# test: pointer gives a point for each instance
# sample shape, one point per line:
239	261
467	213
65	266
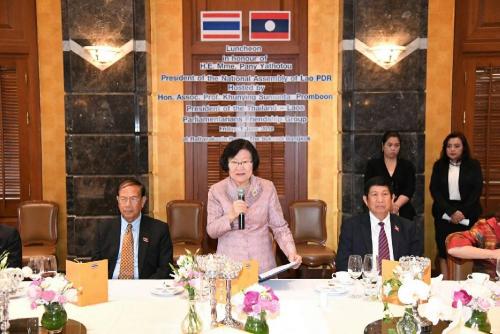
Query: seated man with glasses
135	245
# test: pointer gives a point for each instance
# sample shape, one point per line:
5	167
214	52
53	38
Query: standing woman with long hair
456	185
400	172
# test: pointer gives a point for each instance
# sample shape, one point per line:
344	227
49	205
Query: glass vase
54	318
479	321
257	325
192	322
408	324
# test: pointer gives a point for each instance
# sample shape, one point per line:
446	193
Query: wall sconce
102	56
388	55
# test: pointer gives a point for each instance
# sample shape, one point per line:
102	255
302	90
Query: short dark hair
131	181
378	181
466	150
233	148
390	134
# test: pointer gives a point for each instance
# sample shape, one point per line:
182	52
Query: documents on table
275	271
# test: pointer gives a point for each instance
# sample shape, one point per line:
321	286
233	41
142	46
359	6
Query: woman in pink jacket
260	206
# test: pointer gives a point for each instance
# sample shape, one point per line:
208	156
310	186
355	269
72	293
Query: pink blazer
264	214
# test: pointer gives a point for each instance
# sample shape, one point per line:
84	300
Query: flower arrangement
260	299
51	290
465	305
187	274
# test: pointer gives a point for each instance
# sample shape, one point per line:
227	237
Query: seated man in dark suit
10	242
377	232
135	245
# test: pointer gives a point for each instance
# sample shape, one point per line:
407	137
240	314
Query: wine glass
498	269
354	266
49	266
35	263
370	270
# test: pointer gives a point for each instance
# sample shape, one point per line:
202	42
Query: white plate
331	290
167	291
336	281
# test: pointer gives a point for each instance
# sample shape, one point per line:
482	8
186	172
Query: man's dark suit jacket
356	238
155	247
10	241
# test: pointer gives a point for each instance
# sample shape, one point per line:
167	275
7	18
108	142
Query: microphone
241	218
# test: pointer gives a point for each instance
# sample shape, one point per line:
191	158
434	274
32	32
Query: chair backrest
308	221
458	269
37	221
185	219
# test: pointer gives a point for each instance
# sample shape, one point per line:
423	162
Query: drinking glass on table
355	268
370	274
35	263
49	267
498	269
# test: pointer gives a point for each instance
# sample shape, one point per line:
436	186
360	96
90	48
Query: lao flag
269	26
220	26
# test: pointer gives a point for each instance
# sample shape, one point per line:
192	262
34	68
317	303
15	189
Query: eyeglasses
244	163
133	199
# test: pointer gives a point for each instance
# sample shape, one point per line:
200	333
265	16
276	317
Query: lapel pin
145	239
396	228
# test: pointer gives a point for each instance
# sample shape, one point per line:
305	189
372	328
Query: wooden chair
458	269
37	221
308	226
186	223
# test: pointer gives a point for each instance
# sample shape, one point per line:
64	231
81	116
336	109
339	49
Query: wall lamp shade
388	55
102	56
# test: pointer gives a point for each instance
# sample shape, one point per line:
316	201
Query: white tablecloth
133	309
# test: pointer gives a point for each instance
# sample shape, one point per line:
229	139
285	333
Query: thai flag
221	26
269	26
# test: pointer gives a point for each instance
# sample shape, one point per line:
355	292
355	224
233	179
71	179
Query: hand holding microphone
241	216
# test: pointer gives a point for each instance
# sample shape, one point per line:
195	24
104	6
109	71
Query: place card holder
387	273
90	279
249	275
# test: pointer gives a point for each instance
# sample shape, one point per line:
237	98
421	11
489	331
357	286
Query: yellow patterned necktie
127	257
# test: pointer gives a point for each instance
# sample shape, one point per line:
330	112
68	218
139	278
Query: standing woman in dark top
456	185
399	171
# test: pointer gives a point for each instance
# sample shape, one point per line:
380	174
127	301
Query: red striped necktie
383	246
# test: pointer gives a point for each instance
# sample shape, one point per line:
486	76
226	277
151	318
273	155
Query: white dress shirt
136	225
453	174
376	230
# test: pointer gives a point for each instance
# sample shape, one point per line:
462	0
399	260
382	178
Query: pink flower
48	295
483	304
34	292
461	295
251	298
33	305
61	299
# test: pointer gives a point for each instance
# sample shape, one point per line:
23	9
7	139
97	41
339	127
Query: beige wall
323	162
438	99
166	146
52	112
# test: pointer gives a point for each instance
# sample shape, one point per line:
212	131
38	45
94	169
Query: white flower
387	288
71	295
413	290
27	271
436	309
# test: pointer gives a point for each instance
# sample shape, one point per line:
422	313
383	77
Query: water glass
354	266
498	269
36	265
370	268
49	266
